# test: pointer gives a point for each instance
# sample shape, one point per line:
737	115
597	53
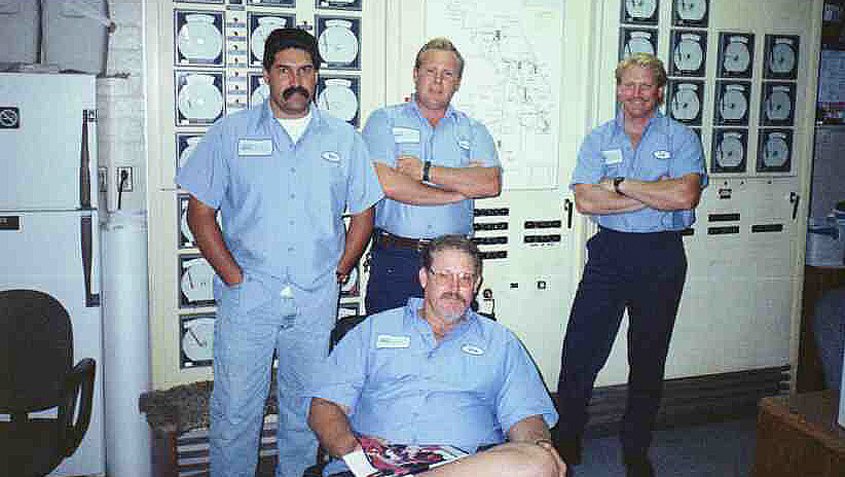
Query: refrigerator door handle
85	161
87	231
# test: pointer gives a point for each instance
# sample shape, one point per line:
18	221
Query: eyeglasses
442	277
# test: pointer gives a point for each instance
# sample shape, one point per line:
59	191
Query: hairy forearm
531	429
202	220
665	194
328	420
402	188
360	229
473	182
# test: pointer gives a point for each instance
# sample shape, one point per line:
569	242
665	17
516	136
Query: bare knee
527	460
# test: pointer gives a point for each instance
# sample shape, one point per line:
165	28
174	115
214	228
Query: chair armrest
79	385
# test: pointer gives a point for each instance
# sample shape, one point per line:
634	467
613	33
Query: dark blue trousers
394	276
643	273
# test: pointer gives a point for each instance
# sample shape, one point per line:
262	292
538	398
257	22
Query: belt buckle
422	244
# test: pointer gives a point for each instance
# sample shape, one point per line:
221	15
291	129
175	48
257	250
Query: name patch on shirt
472	349
661	154
613	156
255	147
391	341
406	135
331	156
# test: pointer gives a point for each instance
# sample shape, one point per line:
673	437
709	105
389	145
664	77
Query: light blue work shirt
402	385
282	203
667	149
456	141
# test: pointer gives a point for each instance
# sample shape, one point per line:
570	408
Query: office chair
36	374
340	329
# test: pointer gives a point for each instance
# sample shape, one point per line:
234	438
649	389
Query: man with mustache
281	175
432	161
435	372
639	177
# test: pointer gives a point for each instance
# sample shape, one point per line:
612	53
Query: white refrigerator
49	227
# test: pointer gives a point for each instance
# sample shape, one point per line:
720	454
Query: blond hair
643	60
442	44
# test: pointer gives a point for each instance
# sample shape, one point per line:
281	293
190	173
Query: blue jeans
394	277
644	273
252	322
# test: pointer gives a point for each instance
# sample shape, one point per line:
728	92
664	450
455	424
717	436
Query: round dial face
688	55
730	151
733	104
338	99
266	25
200	99
778	105
685	103
196	283
337	44
638	44
736	58
259	95
782	58
186	231
775	151
691	10
640	8
198	339
199	39
189	149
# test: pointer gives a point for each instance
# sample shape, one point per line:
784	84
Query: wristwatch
616	182
426	171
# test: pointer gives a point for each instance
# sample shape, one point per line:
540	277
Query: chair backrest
36	350
342	326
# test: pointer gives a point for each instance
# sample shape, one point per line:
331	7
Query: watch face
639	11
637	41
690	12
736	55
774	151
728	151
685	100
688	53
197	341
338	42
778	104
781	57
732	103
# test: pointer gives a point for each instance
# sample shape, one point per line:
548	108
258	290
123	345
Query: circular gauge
778	104
198	339
338	99
737	58
733	105
337	43
688	55
196	283
775	150
200	99
691	10
351	282
258	36
782	58
730	151
199	39
259	95
640	9
639	42
185	229
685	103
189	149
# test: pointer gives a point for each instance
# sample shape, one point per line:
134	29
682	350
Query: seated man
435	372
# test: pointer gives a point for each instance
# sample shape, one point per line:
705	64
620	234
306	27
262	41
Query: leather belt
386	239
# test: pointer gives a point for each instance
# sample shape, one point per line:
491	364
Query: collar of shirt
266	117
417	322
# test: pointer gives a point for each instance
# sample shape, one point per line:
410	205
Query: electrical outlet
125	179
103	178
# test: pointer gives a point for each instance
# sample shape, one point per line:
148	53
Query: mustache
453	295
286	94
